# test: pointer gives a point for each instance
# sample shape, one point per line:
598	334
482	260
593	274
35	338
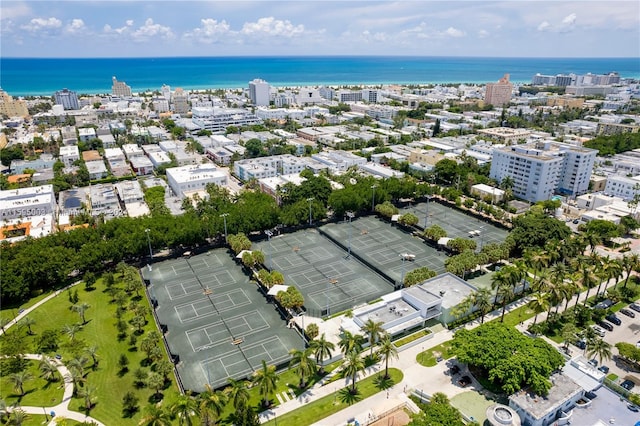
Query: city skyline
285	28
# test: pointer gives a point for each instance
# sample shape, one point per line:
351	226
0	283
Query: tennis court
328	280
218	322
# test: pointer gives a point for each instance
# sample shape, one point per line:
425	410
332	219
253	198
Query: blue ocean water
35	76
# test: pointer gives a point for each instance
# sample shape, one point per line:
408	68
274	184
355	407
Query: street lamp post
301	315
310	200
426	213
150	251
402	274
269	234
373	197
350	215
331	281
224	217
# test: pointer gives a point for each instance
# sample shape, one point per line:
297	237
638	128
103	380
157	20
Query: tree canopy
507	358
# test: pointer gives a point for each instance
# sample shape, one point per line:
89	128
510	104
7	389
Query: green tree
129	404
266	379
303	364
81	309
88	394
375	331
352	365
155	415
184	408
539	303
155	381
19	379
211	403
350	342
322	349
238	394
599	349
28	322
48	369
387	351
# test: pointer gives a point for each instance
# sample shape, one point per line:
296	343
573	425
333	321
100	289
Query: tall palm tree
88	393
81	309
48	369
350	342
71	330
351	366
211	403
462	308
155	415
599	349
498	280
78	364
539	303
482	301
238	394
322	349
184	408
536	259
28	322
630	263
303	364
387	351
266	379
19	379
588	279
18	416
92	351
374	330
505	293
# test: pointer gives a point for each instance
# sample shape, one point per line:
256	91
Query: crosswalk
286	396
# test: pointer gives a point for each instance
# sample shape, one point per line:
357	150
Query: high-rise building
540	170
166	92
67	98
259	92
180	101
499	94
12	107
120	89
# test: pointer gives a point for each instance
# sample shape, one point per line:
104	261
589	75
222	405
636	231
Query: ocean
36	76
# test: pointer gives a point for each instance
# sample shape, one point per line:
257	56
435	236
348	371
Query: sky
125	28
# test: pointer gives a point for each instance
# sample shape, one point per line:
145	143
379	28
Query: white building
540	170
132	150
104	201
217	119
624	187
69	154
189	179
67	98
97	169
45	161
259	92
158	158
339	160
141	165
25	202
87	133
120	88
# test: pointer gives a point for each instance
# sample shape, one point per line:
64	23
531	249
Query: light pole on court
301	315
373	197
404	257
150	251
224	217
269	234
331	281
310	200
426	213
350	215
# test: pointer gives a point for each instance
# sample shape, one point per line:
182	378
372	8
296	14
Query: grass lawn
39	420
518	315
472	404
9	312
410	338
331	404
110	383
428	357
33	394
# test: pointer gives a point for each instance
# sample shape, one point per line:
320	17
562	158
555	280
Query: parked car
466	381
599	331
605	304
604	369
625	311
633	407
607	326
581	344
628	385
454	370
593	362
613	318
635	307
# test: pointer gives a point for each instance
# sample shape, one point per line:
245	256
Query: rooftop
452	289
563	388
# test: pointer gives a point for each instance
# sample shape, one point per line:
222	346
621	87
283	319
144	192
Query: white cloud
483	33
150	30
119	31
272	27
544	26
76	26
570	19
42	25
454	32
211	31
14	10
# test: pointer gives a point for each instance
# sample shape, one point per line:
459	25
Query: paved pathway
416	377
62	409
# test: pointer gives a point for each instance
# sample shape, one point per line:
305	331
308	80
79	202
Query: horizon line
323	56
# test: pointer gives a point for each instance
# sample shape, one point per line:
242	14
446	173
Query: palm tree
351	366
322	349
462	308
482	301
238	394
71	330
155	415
303	364
568	332
28	322
588	279
630	263
387	351
81	309
374	330
77	364
536	259
539	304
498	280
19	379
88	393
505	293
92	351
350	342
184	408
18	416
599	349
48	369
211	403
266	379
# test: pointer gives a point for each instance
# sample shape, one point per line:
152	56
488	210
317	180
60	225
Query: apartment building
12	107
67	98
26	202
217	119
189	179
622	186
259	92
499	94
540	170
120	88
